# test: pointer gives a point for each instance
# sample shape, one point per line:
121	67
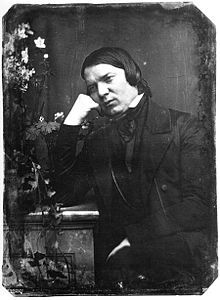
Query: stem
67	264
37	97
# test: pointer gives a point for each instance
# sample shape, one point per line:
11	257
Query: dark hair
119	58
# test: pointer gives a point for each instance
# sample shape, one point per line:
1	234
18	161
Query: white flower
39	42
31	72
24	87
58	115
51	193
30	32
47	181
85	127
45	55
41	119
21	31
24	55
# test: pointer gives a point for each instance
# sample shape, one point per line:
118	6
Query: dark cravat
127	125
126	130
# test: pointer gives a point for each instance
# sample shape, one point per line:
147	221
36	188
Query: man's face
107	85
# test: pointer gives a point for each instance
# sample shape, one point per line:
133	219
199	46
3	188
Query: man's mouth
109	103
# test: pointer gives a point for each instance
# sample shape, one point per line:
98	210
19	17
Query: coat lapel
156	139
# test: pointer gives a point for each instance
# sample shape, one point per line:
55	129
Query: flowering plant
15	58
29	141
35	168
43	127
29	138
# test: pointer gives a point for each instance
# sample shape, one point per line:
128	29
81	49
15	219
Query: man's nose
102	89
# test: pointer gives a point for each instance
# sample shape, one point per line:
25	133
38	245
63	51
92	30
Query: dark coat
175	168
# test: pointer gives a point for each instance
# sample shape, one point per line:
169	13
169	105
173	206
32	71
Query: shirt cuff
69	130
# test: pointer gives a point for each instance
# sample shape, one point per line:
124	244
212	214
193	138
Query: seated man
148	169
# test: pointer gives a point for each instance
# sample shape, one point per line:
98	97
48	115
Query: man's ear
138	77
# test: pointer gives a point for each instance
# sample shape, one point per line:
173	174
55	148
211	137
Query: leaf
32	133
34	263
33	184
56	245
8	274
46	128
55	274
29	183
40	124
54	125
51	126
58	220
26	186
38	255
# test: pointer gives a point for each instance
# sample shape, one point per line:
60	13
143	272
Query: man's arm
73	172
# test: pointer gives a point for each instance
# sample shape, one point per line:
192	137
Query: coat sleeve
192	213
72	171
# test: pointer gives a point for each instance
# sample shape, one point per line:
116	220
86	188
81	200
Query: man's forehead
100	70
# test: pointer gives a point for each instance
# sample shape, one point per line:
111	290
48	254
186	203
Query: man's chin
113	113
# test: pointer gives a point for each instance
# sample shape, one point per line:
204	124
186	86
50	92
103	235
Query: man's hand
124	243
83	105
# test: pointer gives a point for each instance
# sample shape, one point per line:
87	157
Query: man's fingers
86	102
81	108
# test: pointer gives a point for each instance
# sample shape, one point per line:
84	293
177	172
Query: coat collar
158	119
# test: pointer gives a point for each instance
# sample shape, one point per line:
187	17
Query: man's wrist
69	131
73	120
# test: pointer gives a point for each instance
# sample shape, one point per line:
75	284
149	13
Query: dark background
173	45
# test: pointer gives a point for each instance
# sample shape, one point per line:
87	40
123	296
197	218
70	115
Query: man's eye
109	79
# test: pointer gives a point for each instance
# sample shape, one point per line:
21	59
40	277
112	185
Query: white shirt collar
136	100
